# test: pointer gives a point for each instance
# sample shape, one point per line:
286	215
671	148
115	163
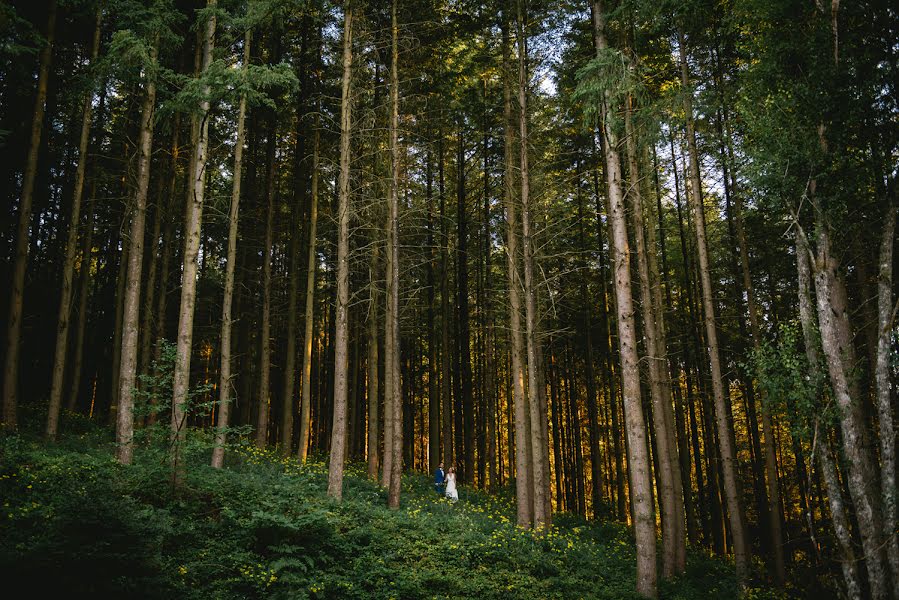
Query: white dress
451	492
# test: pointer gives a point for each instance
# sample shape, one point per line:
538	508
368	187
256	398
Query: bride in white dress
451	492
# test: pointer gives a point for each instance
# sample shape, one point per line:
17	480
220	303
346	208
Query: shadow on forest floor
76	522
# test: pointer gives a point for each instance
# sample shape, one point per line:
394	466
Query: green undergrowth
74	521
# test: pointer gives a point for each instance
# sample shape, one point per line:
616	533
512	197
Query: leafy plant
264	528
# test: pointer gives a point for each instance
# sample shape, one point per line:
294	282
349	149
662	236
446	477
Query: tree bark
118	302
445	387
84	272
638	455
465	471
523	473
14	318
820	446
65	301
775	523
836	341
263	408
389	381
389	349
687	299
724	426
659	385
168	232
193	220
131	311
338	429
592	399
773	487
372	389
290	354
145	352
433	387
487	406
540	466
673	420
885	320
607	351
392	360
299	191
311	267
224	407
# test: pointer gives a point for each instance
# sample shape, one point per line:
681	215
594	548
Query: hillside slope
76	522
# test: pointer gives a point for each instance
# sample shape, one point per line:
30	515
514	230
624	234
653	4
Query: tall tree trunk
14	318
523	472
290	353
65	301
299	191
145	353
168	232
761	496
592	399
87	275
392	360
820	445
722	412
607	350
673	420
557	436
463	341
836	341
773	487
353	406
638	454
775	524
489	402
372	388
390	352
544	427
131	311
83	292
263	407
118	302
445	387
837	344
224	407
542	516
433	386
885	320
338	429
577	446
661	278
306	384
688	362
659	385
193	220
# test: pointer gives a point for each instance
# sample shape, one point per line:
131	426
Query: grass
74	521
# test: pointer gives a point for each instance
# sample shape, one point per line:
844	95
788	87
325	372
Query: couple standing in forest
446	480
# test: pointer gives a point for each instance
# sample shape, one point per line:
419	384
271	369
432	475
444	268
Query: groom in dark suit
439	479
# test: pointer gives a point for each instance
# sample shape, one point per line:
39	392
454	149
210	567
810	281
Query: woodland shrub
76	522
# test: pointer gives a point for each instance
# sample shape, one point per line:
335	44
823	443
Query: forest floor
75	522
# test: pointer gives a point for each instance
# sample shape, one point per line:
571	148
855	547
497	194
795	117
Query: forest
625	265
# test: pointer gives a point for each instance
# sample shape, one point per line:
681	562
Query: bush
74	521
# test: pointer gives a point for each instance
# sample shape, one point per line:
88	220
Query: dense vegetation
265	528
